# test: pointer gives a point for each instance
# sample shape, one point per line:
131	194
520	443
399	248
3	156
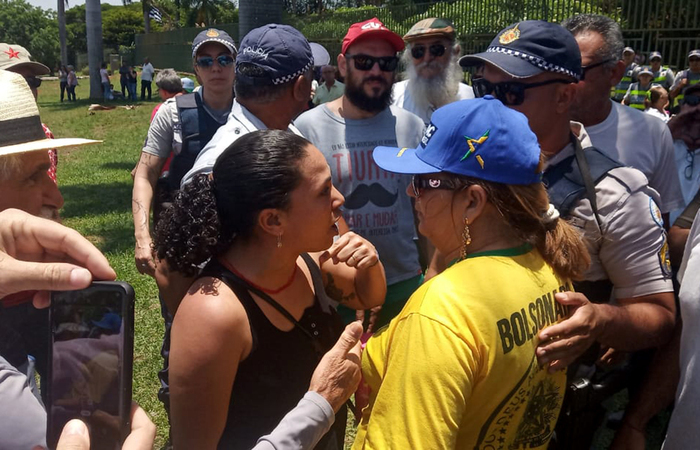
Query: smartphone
90	362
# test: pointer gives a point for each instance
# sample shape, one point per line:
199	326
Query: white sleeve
159	141
302	427
222	139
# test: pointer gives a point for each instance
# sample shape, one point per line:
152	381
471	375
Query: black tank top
276	374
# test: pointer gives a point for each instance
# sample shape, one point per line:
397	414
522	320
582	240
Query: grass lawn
96	184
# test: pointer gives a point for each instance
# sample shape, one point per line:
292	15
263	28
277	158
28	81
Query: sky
51	4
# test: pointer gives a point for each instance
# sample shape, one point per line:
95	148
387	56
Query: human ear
473	200
566	93
342	65
272	221
617	72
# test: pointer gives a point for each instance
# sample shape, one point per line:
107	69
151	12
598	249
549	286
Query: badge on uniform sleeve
665	260
655	213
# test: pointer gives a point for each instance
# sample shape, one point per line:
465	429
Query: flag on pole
154	14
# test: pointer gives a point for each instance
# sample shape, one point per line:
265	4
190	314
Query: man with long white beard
433	75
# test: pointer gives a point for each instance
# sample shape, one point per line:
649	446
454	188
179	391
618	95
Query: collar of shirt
247	119
580	132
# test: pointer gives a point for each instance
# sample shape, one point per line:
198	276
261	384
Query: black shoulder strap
587	179
186	101
576	176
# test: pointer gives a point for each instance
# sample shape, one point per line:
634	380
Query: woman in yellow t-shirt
457	367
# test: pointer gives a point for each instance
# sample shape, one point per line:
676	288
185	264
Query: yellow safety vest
637	95
679	97
619	91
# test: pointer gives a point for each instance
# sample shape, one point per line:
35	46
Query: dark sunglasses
366	62
33	82
690	100
205	62
690	159
436	50
593	66
419	183
511	93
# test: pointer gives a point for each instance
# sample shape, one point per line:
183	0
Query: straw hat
20	126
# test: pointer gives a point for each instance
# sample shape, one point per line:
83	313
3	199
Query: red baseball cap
372	28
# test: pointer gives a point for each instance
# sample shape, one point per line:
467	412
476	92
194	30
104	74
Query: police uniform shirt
631	249
240	121
663	77
165	133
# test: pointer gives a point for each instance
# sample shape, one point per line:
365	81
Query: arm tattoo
336	293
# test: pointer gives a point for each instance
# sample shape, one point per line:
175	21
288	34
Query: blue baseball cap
213	35
645	70
479	138
531	47
110	321
654	55
280	51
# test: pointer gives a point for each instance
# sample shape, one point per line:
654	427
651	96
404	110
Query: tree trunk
62	31
146	19
93	24
254	13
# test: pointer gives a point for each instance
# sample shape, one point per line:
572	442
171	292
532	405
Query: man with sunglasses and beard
534	67
432	69
346	131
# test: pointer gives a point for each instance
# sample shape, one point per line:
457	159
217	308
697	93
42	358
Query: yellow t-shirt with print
456	369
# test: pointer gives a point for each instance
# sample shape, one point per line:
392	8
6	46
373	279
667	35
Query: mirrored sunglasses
205	62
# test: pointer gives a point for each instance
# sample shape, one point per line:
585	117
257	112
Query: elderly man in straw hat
16	58
25	184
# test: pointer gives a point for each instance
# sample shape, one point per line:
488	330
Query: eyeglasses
366	62
690	158
510	93
33	82
691	100
436	50
419	183
205	62
584	69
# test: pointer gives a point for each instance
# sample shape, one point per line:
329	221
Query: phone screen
91	351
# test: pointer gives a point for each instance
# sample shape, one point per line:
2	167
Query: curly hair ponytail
189	230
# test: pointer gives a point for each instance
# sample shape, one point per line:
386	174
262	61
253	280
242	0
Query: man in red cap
346	130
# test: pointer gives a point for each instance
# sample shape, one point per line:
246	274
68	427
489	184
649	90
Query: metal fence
669	26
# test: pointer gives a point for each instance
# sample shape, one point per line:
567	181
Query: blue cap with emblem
478	138
531	47
213	35
280	53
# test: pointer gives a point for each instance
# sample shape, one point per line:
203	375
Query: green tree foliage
32	28
119	26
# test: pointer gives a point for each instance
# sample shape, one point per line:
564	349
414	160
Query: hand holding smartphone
91	356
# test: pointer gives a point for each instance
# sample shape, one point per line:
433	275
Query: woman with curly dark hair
248	334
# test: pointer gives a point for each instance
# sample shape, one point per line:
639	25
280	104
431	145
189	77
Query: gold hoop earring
279	240
466	238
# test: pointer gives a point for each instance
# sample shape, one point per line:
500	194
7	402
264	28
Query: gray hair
169	81
607	28
261	93
9	166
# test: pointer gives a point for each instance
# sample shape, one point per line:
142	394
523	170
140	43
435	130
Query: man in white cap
432	66
663	76
629	77
25	184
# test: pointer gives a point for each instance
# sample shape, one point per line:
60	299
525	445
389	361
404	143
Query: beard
436	91
355	92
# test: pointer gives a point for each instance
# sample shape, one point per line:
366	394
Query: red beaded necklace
265	290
